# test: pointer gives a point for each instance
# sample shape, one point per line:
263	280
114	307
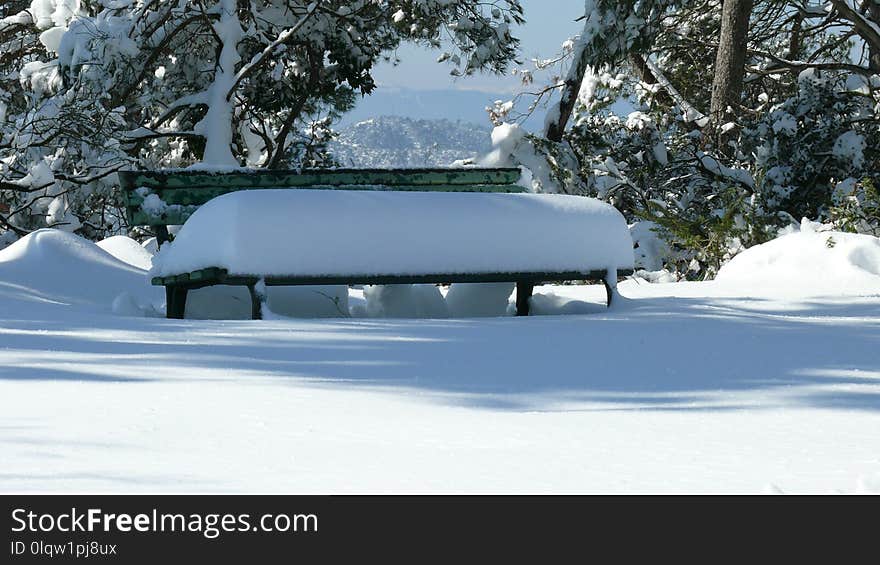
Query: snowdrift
324	232
128	251
808	263
55	266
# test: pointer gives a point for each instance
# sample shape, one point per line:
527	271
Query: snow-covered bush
811	155
856	206
552	167
826	135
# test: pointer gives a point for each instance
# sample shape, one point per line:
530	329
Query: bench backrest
169	197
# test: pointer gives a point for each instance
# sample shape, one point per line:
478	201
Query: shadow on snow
665	354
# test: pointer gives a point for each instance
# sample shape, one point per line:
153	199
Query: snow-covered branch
782	65
869	30
690	113
282	38
182	103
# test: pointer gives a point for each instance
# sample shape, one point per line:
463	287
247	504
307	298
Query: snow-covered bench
313	236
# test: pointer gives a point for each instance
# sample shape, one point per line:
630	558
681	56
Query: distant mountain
450	104
394	141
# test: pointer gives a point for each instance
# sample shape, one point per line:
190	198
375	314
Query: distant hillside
393	141
450	104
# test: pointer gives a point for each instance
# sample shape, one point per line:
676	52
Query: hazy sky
548	24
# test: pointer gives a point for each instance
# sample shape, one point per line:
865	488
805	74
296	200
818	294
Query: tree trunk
555	126
874	15
216	126
730	60
795	41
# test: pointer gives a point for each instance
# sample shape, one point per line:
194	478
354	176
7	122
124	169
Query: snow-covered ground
738	385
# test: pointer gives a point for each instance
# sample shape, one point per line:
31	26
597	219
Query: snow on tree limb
689	112
869	30
216	126
283	37
559	114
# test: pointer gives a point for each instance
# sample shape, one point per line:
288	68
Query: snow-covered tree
790	128
54	149
223	83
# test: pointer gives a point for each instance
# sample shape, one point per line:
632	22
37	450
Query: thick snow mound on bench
55	266
341	233
809	263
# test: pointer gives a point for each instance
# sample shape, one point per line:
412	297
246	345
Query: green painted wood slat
131	180
201	195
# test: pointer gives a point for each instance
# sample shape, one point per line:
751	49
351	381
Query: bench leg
169	300
175	302
256	303
610	282
523	293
